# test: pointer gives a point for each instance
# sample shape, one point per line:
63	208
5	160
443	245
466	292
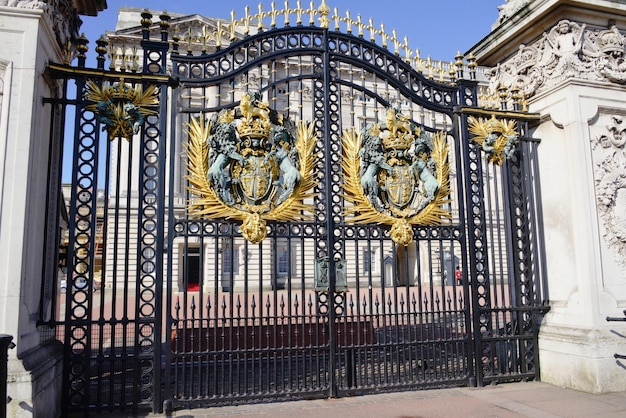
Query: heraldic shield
249	163
396	174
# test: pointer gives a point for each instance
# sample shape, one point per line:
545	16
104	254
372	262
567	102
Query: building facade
151	237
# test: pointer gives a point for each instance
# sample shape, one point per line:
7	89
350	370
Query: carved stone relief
610	175
61	14
567	50
508	9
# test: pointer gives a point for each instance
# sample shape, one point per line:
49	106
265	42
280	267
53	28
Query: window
283	261
230	259
191	266
369	261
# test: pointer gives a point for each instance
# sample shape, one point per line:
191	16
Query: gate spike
193	307
268	304
177	308
364	303
238	306
208	303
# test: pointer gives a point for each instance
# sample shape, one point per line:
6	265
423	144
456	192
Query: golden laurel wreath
497	131
207	204
363	211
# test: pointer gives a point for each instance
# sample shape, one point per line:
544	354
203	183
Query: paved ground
532	399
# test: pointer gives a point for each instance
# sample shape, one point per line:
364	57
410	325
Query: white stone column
586	267
27	44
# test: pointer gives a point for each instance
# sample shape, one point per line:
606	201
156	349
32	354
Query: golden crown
255	121
256	128
400	141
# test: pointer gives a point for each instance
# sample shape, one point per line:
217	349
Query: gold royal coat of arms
396	174
250	164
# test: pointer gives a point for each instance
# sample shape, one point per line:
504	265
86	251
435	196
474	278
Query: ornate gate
297	213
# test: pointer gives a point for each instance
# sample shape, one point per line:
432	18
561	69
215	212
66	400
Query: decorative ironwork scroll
120	107
396	174
251	165
498	138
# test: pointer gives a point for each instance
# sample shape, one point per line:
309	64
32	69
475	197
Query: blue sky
439	28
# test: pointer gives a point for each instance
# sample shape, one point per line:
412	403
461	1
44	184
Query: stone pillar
34	367
586	274
31	36
569	62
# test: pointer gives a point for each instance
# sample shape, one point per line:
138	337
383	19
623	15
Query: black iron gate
299	213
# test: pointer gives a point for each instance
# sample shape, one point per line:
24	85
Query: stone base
583	359
34	382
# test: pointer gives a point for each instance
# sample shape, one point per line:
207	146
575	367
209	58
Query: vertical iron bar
330	223
6	343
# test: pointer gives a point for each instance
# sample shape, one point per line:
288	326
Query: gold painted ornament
250	165
498	138
396	175
120	107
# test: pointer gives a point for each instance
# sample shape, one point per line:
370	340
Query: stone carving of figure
508	9
618	132
27	4
564	44
566	50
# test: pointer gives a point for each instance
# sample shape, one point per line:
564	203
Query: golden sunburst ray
206	203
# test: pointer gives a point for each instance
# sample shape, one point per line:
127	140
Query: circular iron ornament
211	70
323	302
280	43
253	51
240	57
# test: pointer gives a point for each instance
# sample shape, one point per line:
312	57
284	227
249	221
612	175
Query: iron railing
6	343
